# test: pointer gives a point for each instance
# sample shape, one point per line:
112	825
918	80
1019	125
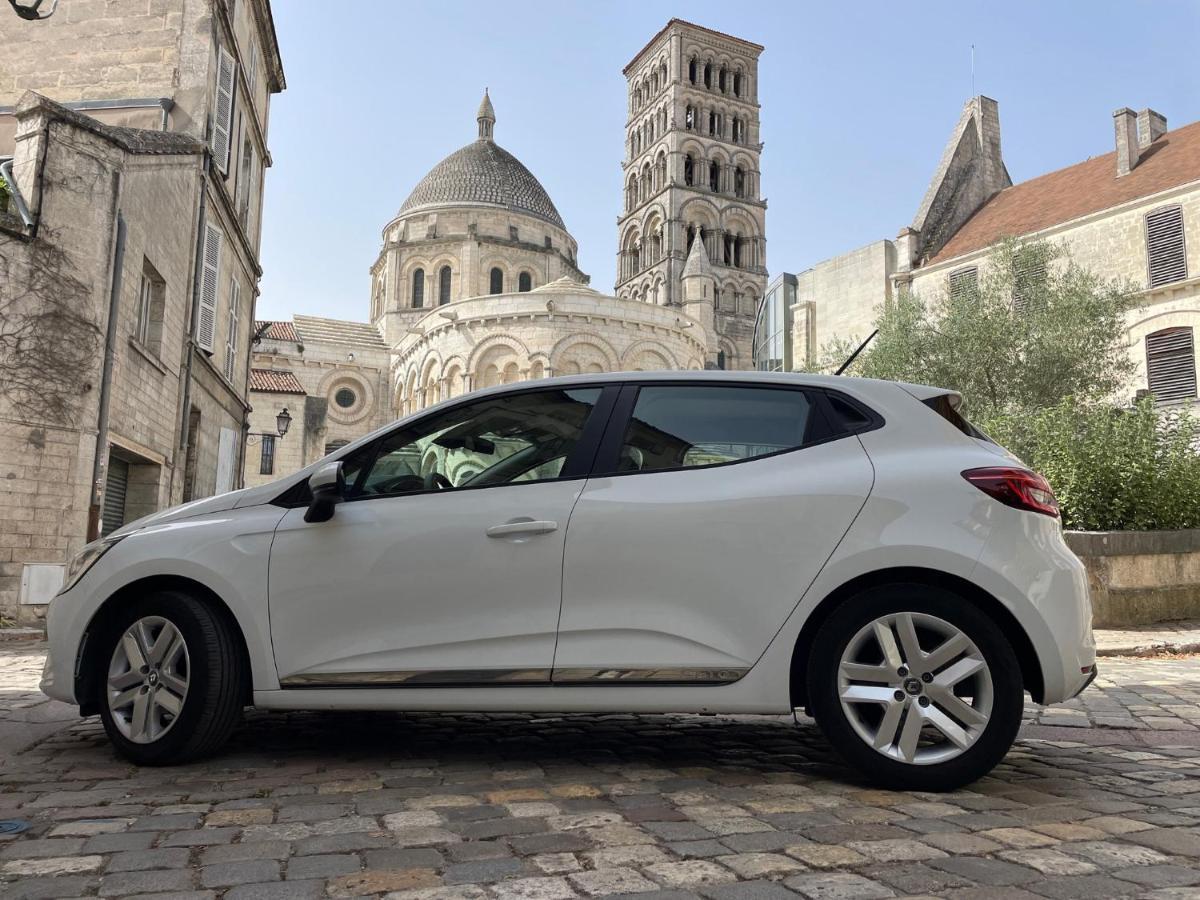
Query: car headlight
84	560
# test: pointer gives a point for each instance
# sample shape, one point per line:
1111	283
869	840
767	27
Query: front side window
501	440
679	427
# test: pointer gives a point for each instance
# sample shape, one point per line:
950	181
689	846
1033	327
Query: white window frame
231	330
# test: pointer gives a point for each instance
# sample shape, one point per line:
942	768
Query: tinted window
943	407
683	427
500	440
847	416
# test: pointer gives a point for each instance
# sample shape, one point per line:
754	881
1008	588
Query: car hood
220	503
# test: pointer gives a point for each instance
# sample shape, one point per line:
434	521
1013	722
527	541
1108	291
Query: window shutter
210	278
1029	273
964	282
1165	246
1171	364
223	109
235	296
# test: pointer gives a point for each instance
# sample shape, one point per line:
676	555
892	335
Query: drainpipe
197	270
15	192
167	105
100	460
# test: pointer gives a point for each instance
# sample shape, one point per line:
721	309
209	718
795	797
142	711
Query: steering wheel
436	481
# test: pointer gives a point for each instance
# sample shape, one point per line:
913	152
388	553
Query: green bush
1112	469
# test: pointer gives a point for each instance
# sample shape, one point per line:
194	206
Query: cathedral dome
483	173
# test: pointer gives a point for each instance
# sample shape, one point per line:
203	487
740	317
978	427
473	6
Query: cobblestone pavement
438	807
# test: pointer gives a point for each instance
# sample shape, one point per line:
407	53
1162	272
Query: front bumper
62	650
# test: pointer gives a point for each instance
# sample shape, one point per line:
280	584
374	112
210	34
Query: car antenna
854	355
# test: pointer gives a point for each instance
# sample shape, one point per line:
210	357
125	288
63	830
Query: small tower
698	289
486	117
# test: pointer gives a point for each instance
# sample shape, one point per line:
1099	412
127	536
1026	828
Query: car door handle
524	527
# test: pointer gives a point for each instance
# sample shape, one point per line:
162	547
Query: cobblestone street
1100	798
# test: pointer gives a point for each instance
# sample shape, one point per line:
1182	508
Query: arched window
721	80
692	70
738	243
631	193
712	121
739	181
714	176
444	286
524	282
689	170
496	281
418	288
727	250
737	84
708	75
662	75
689	118
637	99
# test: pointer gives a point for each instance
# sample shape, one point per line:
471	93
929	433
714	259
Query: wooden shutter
1171	364
1165	247
964	281
223	109
235	296
209	280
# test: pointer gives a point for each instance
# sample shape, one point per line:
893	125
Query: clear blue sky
857	103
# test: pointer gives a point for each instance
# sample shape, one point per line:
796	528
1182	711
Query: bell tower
691	171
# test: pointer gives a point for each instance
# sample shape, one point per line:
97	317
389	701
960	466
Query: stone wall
1140	577
839	298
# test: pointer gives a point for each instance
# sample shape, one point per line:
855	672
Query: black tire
1007	688
212	706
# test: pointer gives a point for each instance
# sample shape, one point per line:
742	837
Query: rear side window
943	407
683	426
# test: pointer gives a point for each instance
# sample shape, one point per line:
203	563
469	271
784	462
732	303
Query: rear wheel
916	687
170	679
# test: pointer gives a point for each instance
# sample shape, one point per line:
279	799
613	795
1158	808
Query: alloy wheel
915	688
148	679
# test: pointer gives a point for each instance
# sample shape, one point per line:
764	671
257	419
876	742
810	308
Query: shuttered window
1029	276
112	513
964	283
1171	364
1165	246
222	121
231	331
209	280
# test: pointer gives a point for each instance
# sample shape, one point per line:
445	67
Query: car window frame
821	427
579	462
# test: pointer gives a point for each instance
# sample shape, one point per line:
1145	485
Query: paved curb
1151	648
22	634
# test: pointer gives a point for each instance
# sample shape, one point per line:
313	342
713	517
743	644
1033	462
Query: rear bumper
1028	567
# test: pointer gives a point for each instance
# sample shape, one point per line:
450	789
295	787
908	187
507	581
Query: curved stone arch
737	217
639	349
700	211
347	377
692	146
694	364
655	211
658	291
730	350
632	236
453	375
567	349
741	158
502	263
718	155
503	339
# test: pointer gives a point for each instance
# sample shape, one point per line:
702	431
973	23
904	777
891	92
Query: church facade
477	281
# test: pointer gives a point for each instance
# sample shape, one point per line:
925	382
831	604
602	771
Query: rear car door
712	508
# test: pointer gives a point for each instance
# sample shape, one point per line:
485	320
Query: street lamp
28	9
283	421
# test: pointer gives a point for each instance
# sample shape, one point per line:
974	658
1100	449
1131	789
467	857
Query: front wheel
916	687
170	681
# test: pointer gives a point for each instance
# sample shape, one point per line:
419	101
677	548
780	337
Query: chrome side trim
507	677
418	678
677	675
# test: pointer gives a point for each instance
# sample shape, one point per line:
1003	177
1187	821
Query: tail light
1018	488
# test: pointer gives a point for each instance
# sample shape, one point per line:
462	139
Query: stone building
1124	215
691	168
477	284
135	135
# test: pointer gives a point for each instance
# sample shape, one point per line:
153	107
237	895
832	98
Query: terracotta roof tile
275	381
277	331
1078	190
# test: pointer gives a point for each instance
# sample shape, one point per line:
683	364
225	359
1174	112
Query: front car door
722	503
444	563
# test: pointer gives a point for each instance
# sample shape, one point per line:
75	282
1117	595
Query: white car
699	542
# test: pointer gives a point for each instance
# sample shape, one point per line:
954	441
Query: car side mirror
328	488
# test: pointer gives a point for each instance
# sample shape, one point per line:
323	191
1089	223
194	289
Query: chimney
1125	125
1151	126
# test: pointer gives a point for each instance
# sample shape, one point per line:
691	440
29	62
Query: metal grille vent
964	283
1165	247
1171	364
